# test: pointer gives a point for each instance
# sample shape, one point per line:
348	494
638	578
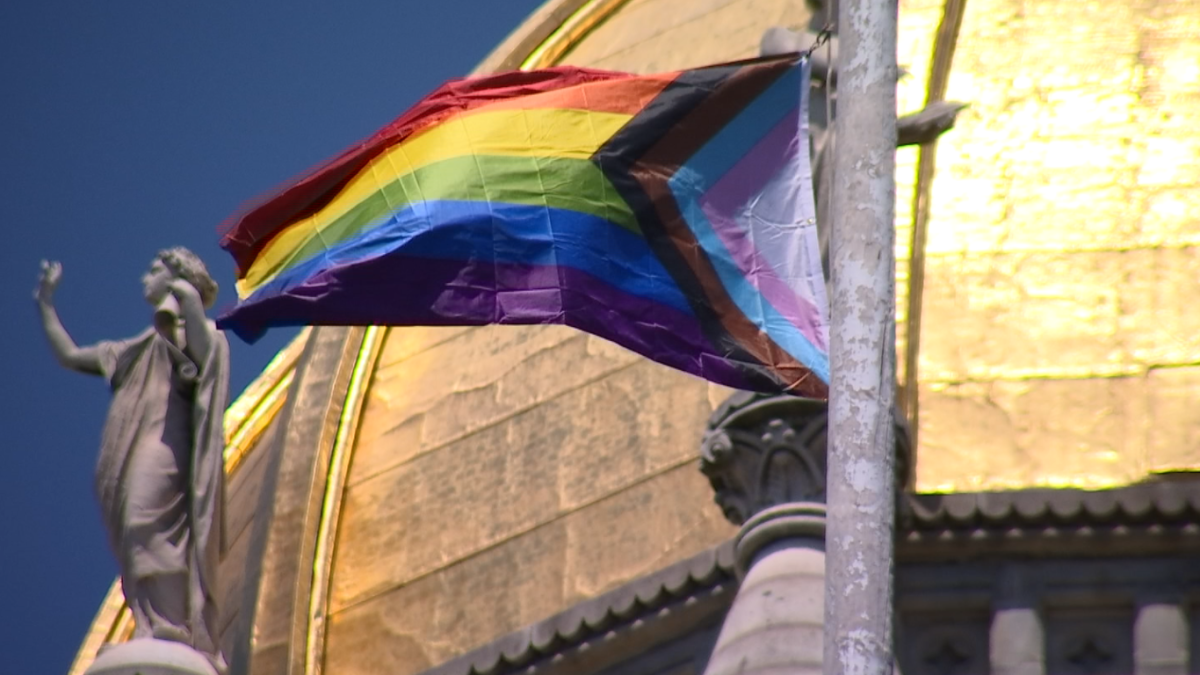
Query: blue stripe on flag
703	170
506	233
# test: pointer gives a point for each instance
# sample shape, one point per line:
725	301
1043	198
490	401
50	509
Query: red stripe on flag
246	234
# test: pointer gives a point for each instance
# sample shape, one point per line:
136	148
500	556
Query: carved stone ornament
949	648
762	450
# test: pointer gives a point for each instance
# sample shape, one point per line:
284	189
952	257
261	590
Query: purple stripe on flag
725	198
406	291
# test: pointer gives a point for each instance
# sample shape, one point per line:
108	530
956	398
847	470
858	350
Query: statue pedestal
147	656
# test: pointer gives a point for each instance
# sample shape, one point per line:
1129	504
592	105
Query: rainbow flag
671	213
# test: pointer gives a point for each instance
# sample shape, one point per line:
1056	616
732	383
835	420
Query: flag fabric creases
671	213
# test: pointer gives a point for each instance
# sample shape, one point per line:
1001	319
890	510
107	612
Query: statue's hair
188	266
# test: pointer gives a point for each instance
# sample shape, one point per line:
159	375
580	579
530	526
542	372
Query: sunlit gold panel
592	438
658	35
1088	433
534	575
489	458
1173	419
423	400
1063	249
1011	434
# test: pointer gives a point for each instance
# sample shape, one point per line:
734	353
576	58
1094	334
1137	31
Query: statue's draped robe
160	481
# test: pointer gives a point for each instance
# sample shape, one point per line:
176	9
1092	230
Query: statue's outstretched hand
69	354
51	274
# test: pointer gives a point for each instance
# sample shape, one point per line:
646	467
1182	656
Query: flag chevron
670	213
676	127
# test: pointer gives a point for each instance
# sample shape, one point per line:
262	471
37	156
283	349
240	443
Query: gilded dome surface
501	475
428	490
1058	347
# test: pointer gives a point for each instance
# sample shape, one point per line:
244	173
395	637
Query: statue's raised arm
160	474
68	354
193	291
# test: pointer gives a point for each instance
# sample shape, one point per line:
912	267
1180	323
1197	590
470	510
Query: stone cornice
765	458
669	600
1158	516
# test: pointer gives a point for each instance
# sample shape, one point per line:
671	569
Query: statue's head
178	262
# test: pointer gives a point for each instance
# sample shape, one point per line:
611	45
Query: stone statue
160	473
914	129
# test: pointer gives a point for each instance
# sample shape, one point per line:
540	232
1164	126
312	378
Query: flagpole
860	475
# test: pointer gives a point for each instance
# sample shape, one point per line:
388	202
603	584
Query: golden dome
427	490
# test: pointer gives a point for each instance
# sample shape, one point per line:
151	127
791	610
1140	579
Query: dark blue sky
129	127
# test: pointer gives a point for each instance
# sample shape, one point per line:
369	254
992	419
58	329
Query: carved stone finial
761	451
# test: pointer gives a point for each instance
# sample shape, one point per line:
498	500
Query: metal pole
861	480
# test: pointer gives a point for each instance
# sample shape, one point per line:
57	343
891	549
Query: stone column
765	458
1017	639
776	624
1160	639
1017	642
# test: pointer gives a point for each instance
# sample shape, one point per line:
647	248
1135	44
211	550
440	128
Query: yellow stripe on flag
546	132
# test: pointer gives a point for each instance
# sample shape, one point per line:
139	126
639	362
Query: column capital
760	451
